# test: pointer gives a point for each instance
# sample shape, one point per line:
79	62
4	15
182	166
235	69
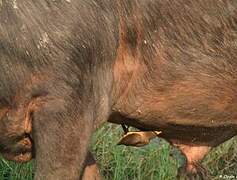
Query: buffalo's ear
133	139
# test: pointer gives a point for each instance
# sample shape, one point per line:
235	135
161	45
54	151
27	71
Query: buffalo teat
138	138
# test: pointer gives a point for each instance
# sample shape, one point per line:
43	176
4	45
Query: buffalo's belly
198	135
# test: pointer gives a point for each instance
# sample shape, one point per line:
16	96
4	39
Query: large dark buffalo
67	66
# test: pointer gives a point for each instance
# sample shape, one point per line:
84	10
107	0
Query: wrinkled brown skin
66	67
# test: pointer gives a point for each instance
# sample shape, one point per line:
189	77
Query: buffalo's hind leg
61	134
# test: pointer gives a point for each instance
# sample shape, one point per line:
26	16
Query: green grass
156	161
13	171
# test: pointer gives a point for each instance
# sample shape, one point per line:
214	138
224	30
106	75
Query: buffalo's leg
91	170
61	133
192	168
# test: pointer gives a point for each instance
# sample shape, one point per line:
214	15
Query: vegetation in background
156	161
